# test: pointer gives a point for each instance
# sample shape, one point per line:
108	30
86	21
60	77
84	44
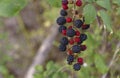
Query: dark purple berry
76	48
70	58
64	2
71	32
62	28
61	20
63	12
62	47
78	23
64	41
77	66
83	37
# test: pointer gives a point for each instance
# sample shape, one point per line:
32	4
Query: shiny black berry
64	41
77	66
62	28
71	32
78	23
76	48
62	47
63	12
70	58
61	20
83	37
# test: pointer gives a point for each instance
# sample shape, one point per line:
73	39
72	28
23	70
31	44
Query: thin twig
113	59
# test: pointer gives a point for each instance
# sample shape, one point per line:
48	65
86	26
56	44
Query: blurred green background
28	31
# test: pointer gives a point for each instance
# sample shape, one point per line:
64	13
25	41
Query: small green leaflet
100	64
104	3
89	13
11	7
106	20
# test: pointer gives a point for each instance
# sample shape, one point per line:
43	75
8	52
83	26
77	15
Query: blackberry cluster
73	31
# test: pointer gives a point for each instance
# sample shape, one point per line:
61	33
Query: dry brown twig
43	52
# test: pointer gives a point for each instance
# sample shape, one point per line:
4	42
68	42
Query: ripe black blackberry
76	66
61	20
76	48
71	32
78	23
83	37
63	12
70	59
62	47
62	27
64	41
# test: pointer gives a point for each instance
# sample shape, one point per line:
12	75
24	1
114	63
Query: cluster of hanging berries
70	28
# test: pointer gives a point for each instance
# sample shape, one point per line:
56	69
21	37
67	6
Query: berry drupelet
63	12
64	41
76	67
62	28
61	20
76	48
78	23
70	59
62	47
83	37
70	32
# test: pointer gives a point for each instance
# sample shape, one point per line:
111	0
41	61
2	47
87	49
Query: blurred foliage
52	70
11	7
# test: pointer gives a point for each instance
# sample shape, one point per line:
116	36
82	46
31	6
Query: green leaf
89	13
106	20
117	2
105	4
100	64
11	7
54	3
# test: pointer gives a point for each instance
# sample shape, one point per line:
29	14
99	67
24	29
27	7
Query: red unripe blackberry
84	27
79	3
70	27
64	32
65	7
83	47
71	41
77	33
70	52
77	39
68	19
80	61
